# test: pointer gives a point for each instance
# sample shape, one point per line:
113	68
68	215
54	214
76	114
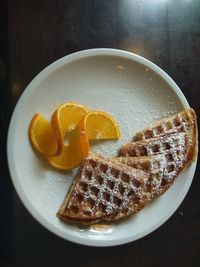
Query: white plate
128	86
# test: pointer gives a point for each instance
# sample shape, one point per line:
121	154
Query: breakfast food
182	137
157	167
167	154
113	188
180	122
102	190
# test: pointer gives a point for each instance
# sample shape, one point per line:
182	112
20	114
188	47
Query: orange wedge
73	154
65	119
100	125
70	120
42	135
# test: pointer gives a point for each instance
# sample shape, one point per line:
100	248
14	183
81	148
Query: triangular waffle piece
183	145
183	121
163	149
102	189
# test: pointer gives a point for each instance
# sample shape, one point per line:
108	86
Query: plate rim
44	74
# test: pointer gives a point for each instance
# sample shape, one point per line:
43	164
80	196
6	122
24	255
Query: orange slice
70	120
100	125
65	119
73	154
42	135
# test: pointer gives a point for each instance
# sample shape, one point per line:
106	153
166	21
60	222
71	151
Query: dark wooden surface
33	34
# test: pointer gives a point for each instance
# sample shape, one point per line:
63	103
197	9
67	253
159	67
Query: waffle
157	168
180	122
156	146
157	183
177	133
162	158
178	149
104	188
162	170
109	189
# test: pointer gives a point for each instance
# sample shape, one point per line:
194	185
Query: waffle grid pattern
104	190
151	147
178	124
165	156
114	188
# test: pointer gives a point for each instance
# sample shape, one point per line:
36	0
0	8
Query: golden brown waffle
180	122
184	138
160	177
159	145
110	189
178	150
102	189
163	163
162	171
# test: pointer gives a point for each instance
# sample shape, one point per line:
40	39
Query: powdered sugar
104	188
132	113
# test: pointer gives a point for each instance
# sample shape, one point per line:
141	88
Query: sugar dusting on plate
133	113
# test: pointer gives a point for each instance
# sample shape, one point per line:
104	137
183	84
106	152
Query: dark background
33	34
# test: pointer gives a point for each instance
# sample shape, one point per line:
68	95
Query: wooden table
35	34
